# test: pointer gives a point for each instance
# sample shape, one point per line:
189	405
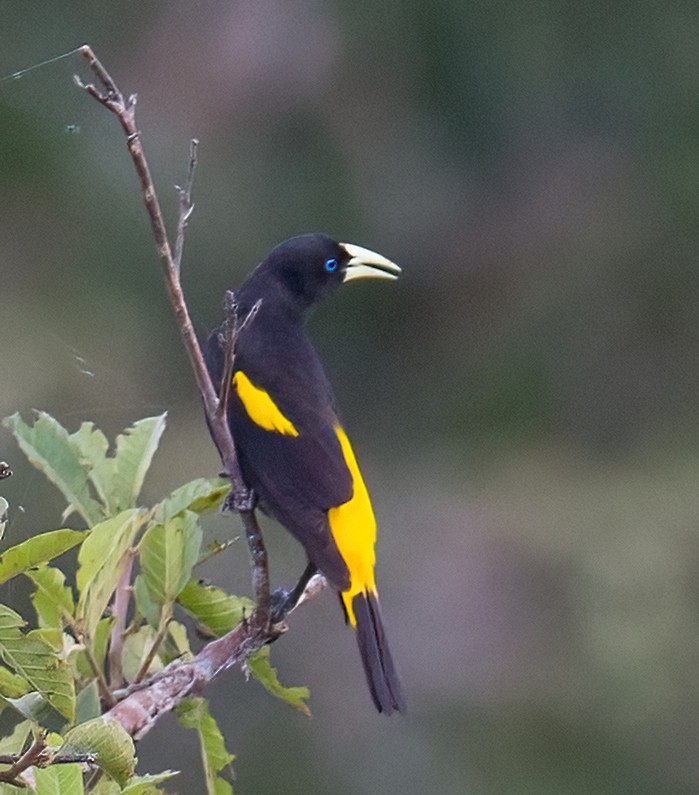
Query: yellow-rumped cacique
293	450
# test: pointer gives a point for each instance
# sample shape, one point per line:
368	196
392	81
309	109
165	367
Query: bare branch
109	95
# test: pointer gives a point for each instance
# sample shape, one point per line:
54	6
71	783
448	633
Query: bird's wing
286	435
291	452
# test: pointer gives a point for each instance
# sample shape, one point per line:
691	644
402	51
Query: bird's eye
330	265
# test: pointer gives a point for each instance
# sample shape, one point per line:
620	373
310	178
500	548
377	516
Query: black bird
292	448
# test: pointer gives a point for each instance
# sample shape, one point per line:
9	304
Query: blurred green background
524	401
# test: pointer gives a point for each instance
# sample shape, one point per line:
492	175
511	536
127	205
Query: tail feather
384	684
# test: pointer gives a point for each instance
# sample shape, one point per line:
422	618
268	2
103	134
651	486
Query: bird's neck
274	301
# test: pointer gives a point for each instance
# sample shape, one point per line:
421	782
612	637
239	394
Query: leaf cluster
132	607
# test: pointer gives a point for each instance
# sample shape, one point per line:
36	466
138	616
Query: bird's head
309	267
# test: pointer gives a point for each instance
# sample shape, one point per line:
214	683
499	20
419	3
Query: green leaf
48	446
168	554
105	786
51	636
36	550
37	709
137	645
108	742
198	496
53	599
101	559
77	656
176	646
135	449
262	670
14	743
12	685
145	785
145	604
91	446
193	713
36	663
59	780
87	704
213	608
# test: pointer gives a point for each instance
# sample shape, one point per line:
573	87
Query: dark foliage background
524	400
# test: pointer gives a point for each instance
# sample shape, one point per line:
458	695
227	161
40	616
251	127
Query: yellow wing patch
261	409
353	527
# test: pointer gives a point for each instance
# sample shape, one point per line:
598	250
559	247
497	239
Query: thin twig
244	503
228	338
157	642
122	597
30	757
186	204
58	759
106	695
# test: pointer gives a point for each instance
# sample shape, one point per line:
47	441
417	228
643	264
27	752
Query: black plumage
292	448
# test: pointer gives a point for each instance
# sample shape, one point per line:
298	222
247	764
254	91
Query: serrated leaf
91	446
135	448
100	560
199	496
14	743
213	608
266	675
193	713
59	780
136	647
38	549
53	599
36	663
48	447
108	742
144	785
168	554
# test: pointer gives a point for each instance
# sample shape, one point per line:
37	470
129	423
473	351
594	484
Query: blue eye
330	265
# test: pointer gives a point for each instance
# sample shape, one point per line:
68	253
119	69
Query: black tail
380	671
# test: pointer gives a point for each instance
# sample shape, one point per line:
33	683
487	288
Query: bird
292	446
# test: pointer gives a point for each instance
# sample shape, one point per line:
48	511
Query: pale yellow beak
366	264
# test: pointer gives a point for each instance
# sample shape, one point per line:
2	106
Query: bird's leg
283	601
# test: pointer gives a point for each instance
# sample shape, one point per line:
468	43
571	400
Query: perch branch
143	704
